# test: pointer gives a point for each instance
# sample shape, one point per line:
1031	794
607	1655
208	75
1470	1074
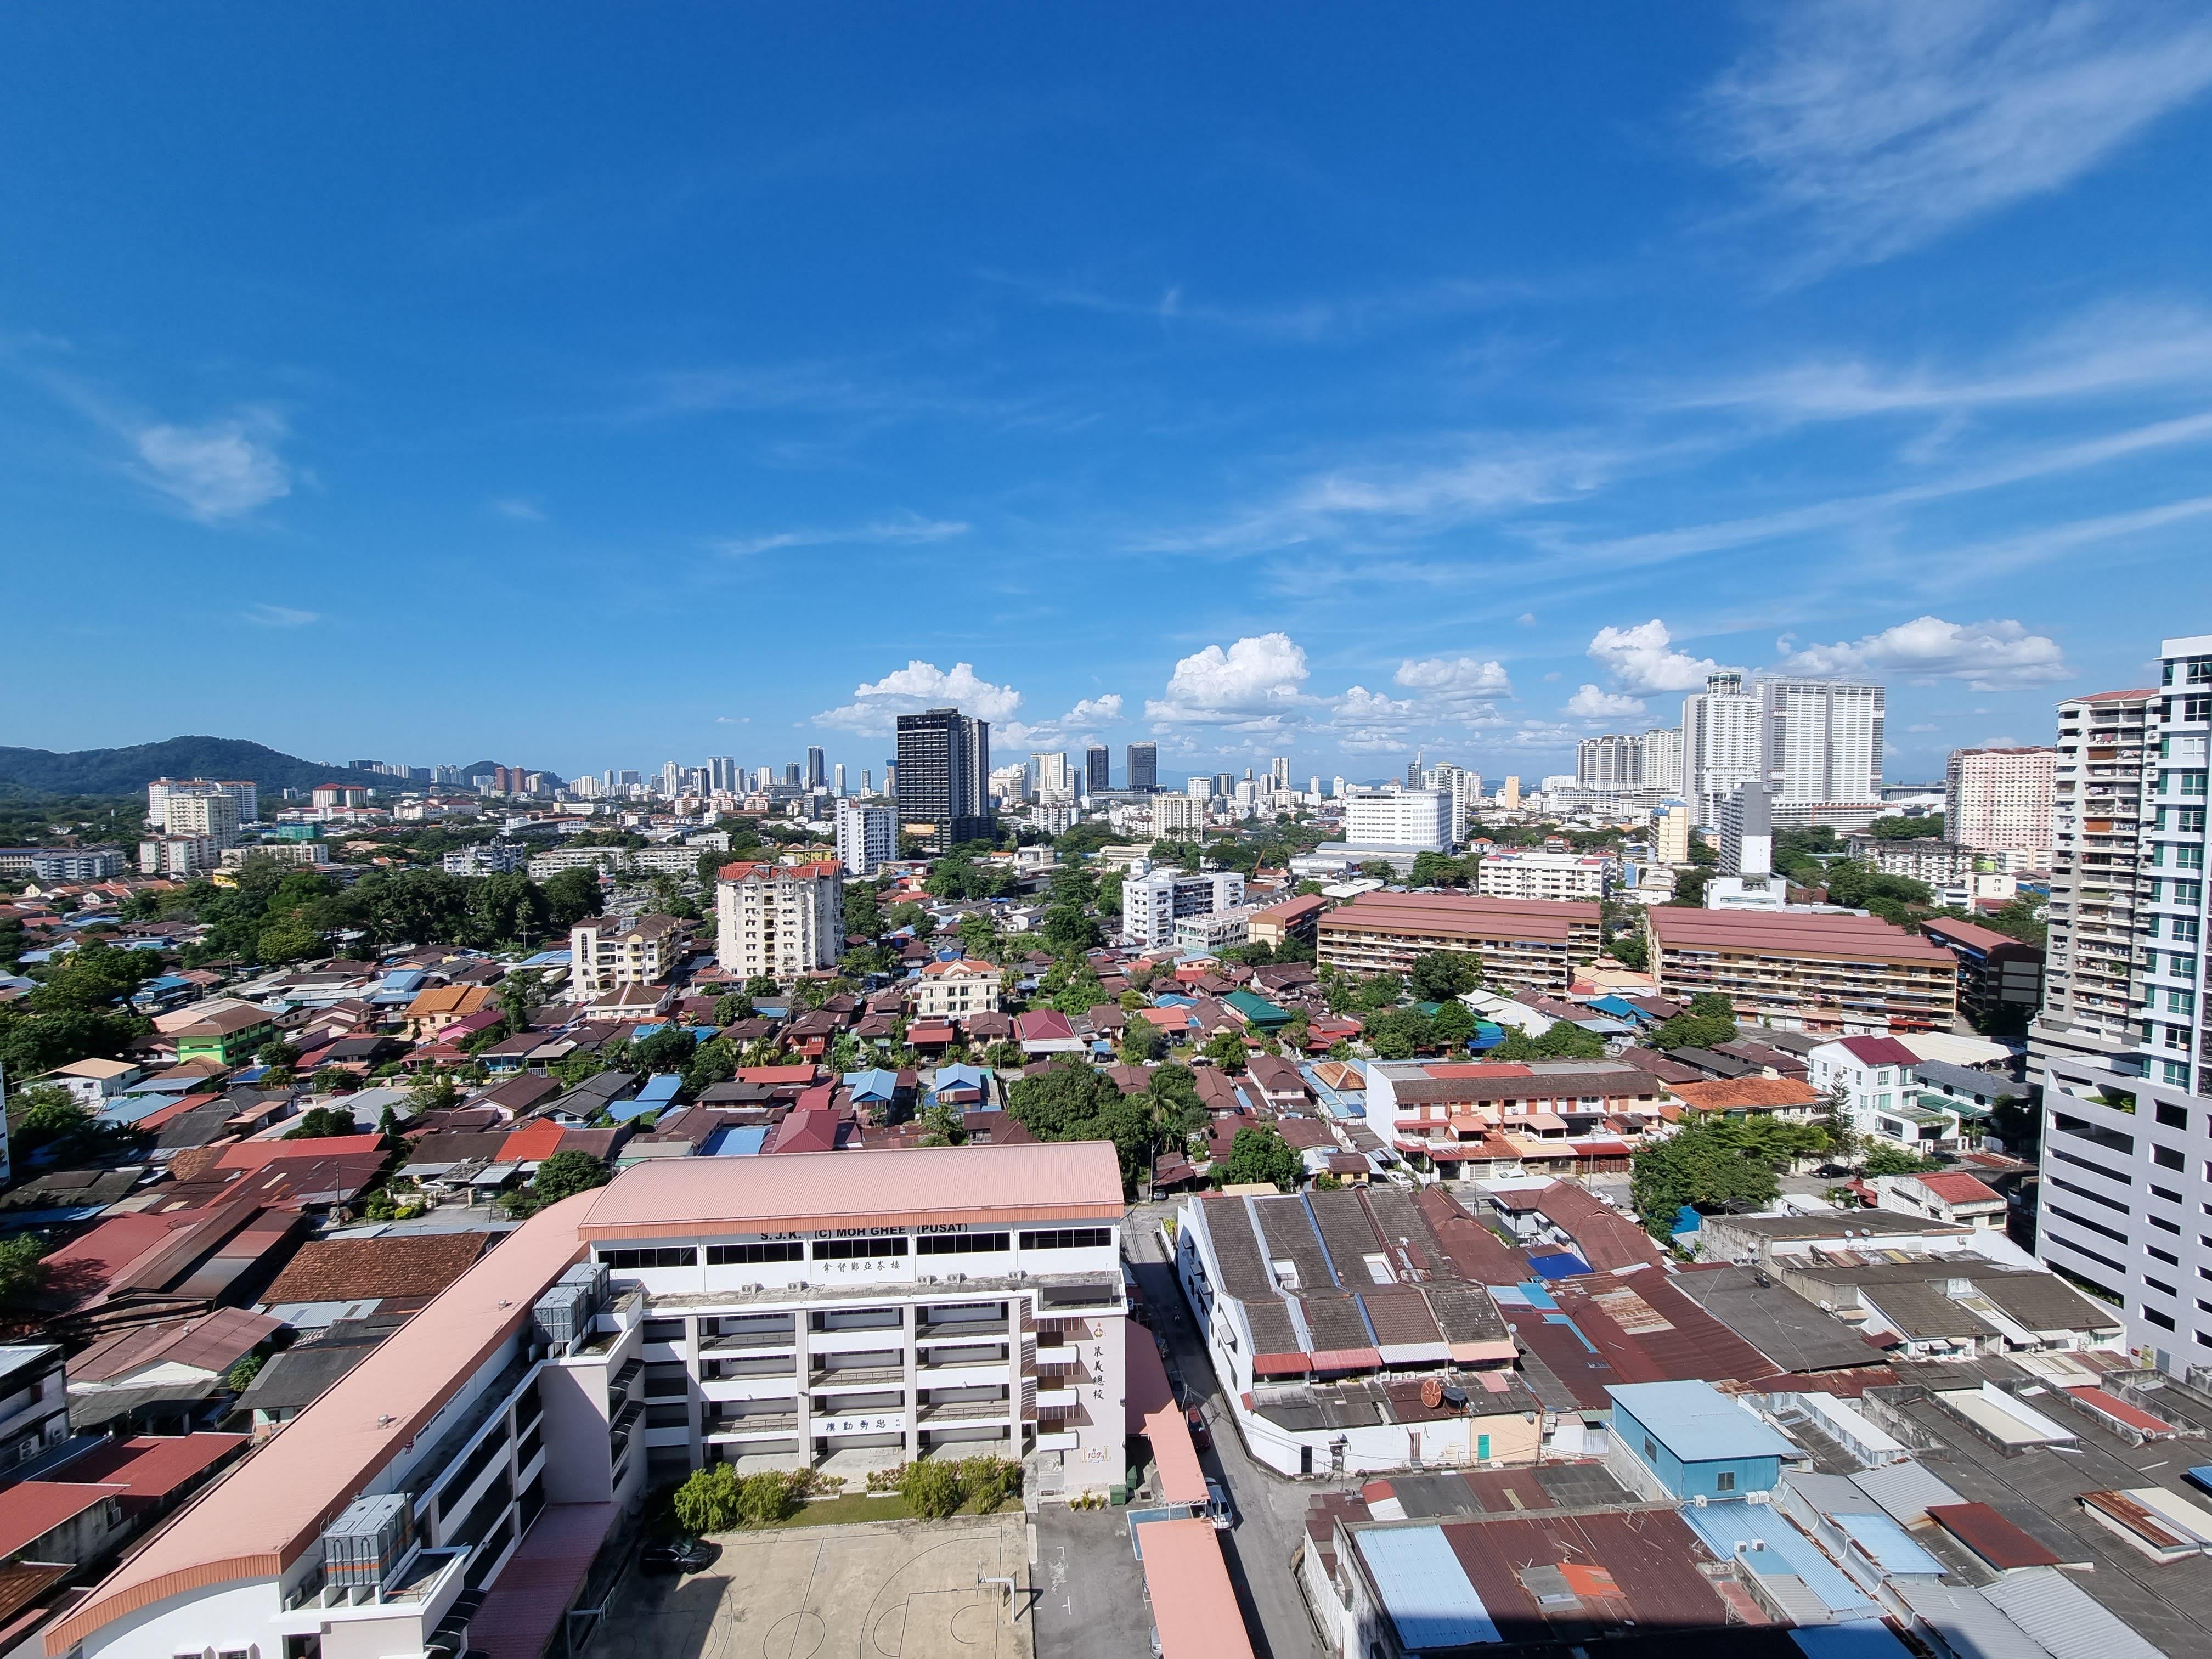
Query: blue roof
660	1088
1881	1538
548	959
623	1111
959	1076
1427	1591
875	1085
1722	1526
1560	1264
1852	1638
1618	1007
1170	999
1699	1423
405	979
735	1140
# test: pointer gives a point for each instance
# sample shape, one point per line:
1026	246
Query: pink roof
965	966
1879	1051
1791	933
153	1466
776	1076
252	1154
684	1197
1044	1026
1193	1604
2111	1406
1956	1187
273	1506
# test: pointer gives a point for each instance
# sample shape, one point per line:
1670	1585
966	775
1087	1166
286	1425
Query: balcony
855	1376
748	1341
966	1411
752	1423
955	1330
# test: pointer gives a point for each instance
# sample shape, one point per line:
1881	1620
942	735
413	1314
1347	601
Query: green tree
1382	991
22	1270
1629	950
1439	870
1440	975
670	1048
561	1176
509	908
1071	1102
1701	1166
942	1124
46	1114
707	1500
1563	1041
931	1486
1069	929
1689	885
1258	1154
1141	1042
1889	1159
319	1122
570	897
1454	1025
1228	1050
1692	1031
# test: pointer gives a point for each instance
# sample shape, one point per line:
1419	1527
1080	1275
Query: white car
1218	1507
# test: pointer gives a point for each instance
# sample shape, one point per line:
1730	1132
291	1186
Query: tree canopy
1703	1166
1259	1154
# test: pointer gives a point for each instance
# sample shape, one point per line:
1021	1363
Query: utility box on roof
365	1543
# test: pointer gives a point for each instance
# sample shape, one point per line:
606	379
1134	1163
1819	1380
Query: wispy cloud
911	530
1299	320
279	616
1880	124
218	470
520	508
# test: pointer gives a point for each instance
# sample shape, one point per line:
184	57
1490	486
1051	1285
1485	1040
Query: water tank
563	1314
593	1274
365	1543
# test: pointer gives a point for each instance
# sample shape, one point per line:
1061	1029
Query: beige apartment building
1803	971
1522	943
779	920
955	990
1998	800
607	954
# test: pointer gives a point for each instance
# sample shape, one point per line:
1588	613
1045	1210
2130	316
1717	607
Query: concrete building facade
1998	800
779	920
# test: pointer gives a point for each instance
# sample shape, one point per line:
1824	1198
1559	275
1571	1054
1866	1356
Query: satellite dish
1432	1394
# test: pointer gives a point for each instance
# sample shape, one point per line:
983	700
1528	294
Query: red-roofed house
1954	1196
1048	1031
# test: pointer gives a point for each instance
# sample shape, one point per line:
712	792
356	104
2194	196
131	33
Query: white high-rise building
837	780
1178	815
722	774
1662	751
867	838
1998	800
1720	744
1278	772
1610	765
2127	1091
1010	784
1821	740
1198	788
1465	788
1406	820
212	817
243	791
672	780
779	920
1055	779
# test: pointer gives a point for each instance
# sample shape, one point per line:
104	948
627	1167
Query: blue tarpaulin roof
659	1088
1563	1264
1427	1591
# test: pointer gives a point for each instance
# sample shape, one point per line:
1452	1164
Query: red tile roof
1878	1051
1955	1186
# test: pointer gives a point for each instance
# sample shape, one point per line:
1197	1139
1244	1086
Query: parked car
680	1555
1200	1435
1218	1507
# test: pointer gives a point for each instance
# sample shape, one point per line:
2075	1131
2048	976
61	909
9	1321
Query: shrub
931	1488
987	1482
707	1499
888	1480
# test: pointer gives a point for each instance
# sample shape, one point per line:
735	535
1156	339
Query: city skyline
1424	458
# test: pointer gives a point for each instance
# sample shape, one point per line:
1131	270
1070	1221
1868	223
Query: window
2165	1226
738	1255
2157	1255
664	1330
961	1243
1650	1449
1074	1238
2168	1157
2164	1321
2166	1193
672	1256
2173	1117
1724	1482
856	1249
2161	1287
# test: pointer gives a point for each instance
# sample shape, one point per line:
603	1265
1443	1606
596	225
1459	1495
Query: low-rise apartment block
1217	930
61	864
1522	943
1531	875
2000	977
490	858
955	990
606	954
1804	971
1152	901
1297	918
277	852
779	920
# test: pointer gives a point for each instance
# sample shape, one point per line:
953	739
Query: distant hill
128	771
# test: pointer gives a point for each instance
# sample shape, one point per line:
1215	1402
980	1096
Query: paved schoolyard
894	1590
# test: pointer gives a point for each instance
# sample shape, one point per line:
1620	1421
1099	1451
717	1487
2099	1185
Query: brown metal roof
1990	1536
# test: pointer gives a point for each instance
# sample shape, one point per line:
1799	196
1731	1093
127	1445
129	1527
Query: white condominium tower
2128	1090
1720	744
1998	800
1820	740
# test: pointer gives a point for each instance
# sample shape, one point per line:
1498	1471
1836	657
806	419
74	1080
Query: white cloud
1923	727
519	509
1526	619
908	530
1257	678
280	616
1989	656
1591	704
1641	658
1094	711
1885	123
875	707
220	470
1455	679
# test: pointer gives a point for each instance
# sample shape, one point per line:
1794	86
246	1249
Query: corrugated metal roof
1427	1591
1784	1550
1968	1624
1884	1541
2065	1617
1853	1639
1905	1491
1698	1422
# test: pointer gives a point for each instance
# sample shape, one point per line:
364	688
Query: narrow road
1270	1509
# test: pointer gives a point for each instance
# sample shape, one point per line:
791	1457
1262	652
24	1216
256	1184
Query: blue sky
585	386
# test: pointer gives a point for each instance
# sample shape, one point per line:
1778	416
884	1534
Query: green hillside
128	771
